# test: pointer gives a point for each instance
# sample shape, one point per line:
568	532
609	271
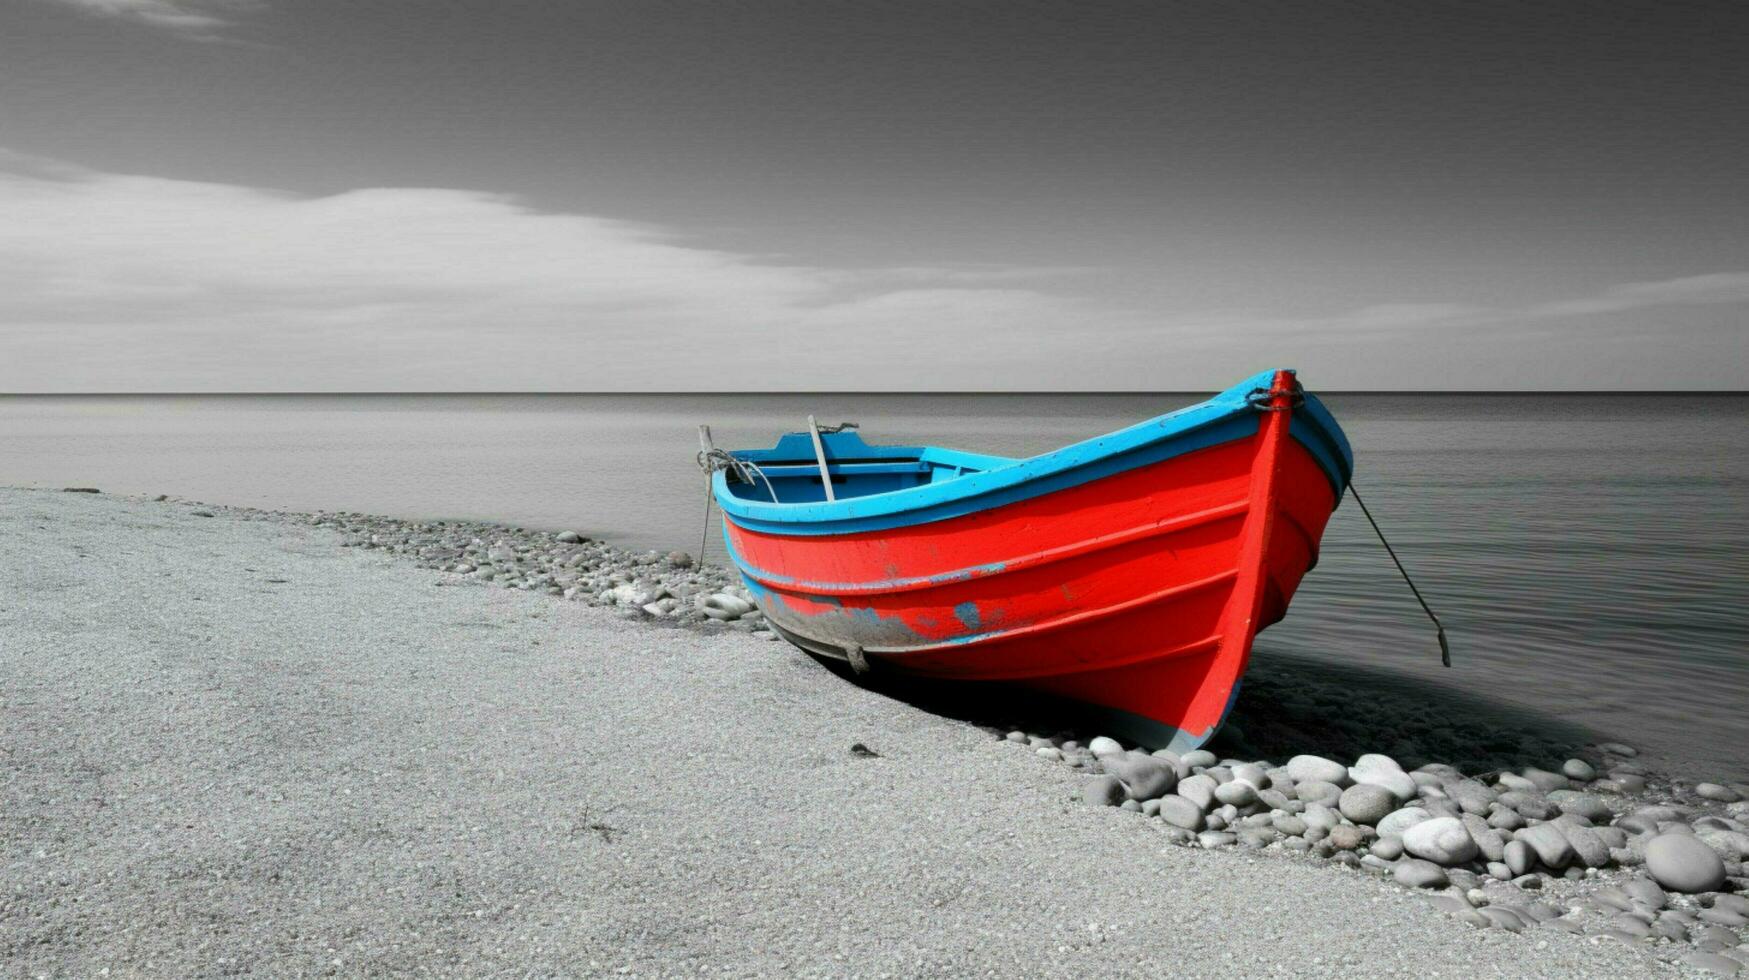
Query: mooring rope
704	533
1444	647
711	460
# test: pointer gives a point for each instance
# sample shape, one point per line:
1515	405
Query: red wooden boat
1130	572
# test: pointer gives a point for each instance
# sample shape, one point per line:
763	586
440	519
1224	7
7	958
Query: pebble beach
247	742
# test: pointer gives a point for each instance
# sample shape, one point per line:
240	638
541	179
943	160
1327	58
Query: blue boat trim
996	481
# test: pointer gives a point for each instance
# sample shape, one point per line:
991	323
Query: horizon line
859	392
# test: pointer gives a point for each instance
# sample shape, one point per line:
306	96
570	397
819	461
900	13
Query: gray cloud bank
197	19
118	282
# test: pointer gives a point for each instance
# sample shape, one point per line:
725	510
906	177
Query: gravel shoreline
232	748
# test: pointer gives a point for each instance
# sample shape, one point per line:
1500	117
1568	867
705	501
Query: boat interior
790	471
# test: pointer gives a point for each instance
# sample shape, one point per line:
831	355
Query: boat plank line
1091	545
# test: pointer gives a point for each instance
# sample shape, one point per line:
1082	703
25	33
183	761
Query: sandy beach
232	748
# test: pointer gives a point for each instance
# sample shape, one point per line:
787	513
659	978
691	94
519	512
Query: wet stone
1592	852
1683	863
1314	768
1181	812
1318	791
1416	873
1177	835
1488	840
1637	824
1367	803
1251	773
1467	880
1504	919
1646	892
1513	783
1277	800
1442	840
1734	845
1716	936
1629	783
1546	781
1723	917
1320	816
1551	846
1257	837
1505	818
1145	777
1102	746
1712	963
1614	898
1388	848
1347	837
1472	796
1198	789
1428	782
1382	770
1104	791
1398	821
1582	805
1672	929
1236	793
1537	808
1290	825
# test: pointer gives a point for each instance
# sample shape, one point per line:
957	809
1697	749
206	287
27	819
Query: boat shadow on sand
1291	705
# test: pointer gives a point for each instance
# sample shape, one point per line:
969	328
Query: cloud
196	19
110	280
1708	290
1382	320
120	282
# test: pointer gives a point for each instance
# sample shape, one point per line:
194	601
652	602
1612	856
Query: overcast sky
285	195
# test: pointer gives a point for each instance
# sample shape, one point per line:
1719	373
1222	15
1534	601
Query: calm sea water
1588	553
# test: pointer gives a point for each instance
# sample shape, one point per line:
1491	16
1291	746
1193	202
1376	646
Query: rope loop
712	460
1261	399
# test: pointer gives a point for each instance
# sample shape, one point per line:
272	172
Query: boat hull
1138	591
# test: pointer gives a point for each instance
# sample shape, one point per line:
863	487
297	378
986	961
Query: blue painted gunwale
997	480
